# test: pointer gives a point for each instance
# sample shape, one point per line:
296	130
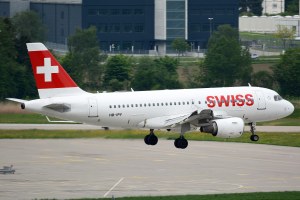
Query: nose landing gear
253	137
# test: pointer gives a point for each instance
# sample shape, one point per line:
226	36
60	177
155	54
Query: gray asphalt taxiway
76	168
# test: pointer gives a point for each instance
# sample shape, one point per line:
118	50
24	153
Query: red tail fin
51	78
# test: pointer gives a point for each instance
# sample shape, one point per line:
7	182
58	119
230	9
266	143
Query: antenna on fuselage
249	85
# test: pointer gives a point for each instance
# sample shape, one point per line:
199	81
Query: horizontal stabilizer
16	100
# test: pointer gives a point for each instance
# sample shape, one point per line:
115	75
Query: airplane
222	112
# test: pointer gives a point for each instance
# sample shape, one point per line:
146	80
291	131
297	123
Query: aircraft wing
197	119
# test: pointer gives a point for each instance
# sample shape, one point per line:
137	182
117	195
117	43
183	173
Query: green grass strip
282	139
238	196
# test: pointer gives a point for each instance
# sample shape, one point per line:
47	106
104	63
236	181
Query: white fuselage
129	109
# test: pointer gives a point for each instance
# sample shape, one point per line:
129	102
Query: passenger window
153	104
166	104
115	106
119	106
136	105
145	105
188	103
175	103
179	103
162	104
199	102
157	104
110	106
127	105
149	104
170	103
141	105
183	103
123	106
132	105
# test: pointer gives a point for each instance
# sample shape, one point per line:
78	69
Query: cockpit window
277	98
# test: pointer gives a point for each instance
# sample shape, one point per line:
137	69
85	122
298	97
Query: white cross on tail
47	70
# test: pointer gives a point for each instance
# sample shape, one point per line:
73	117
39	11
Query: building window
138	11
139	28
103	12
115	11
230	11
195	28
220	11
126	11
127	45
127	28
116	28
92	12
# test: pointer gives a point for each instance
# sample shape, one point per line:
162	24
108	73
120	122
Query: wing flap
163	122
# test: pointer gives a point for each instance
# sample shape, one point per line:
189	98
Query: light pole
210	24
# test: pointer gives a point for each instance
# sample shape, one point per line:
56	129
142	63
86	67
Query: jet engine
225	128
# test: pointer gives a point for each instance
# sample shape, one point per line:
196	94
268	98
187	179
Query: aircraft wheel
254	138
153	140
181	143
146	139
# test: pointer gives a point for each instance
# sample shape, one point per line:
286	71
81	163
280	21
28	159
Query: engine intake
225	128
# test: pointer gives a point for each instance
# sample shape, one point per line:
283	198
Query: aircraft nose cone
290	108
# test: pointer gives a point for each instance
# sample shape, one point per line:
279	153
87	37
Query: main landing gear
180	143
253	137
151	139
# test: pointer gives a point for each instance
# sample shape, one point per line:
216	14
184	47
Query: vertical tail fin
50	77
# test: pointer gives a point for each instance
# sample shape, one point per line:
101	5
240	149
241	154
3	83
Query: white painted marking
113	187
47	70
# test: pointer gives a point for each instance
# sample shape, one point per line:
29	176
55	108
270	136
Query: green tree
11	72
226	62
28	24
83	59
285	34
292	7
118	72
287	73
262	79
180	45
154	74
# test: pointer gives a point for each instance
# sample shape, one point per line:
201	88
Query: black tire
146	139
153	140
184	143
176	143
181	143
254	138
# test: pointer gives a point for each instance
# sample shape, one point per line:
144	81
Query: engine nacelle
225	128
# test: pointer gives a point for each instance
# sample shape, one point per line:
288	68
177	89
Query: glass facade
176	18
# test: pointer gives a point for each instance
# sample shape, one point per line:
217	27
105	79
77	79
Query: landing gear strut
253	137
151	138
